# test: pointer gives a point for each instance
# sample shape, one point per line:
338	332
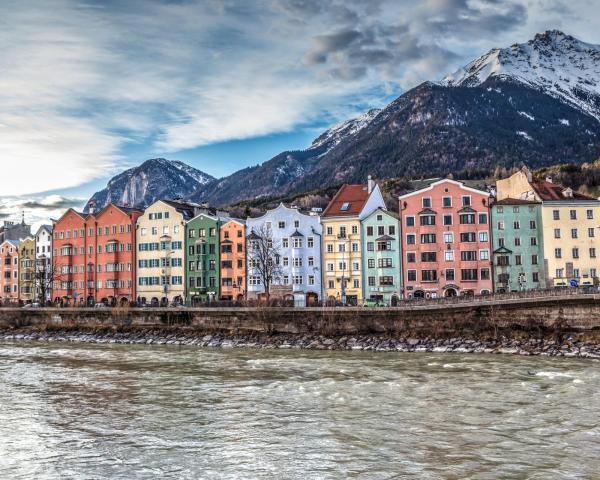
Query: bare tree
44	276
264	257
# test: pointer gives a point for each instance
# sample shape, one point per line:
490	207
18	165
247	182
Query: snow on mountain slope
341	131
558	64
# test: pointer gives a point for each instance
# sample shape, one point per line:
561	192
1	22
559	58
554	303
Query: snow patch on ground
564	121
525	135
527	115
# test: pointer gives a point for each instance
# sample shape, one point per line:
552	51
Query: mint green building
381	258
202	259
518	245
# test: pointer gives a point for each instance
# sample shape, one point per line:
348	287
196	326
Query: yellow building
342	240
570	228
27	286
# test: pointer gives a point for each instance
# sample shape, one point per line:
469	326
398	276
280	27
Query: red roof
552	191
348	201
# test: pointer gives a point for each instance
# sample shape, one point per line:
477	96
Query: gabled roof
48	228
83	216
432	185
188	210
296	234
253	235
548	191
348	201
383	212
515	201
125	210
502	249
14	243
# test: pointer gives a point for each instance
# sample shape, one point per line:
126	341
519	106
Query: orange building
233	260
94	256
9	272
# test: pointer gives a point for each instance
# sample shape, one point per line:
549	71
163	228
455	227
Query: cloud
37	209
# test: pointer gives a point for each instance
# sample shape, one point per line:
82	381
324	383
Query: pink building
446	245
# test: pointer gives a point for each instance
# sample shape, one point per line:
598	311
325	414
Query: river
125	412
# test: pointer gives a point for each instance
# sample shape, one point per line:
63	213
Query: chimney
549	179
370	184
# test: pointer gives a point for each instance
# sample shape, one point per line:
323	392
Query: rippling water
102	411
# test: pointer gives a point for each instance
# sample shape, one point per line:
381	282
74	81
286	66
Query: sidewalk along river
131	411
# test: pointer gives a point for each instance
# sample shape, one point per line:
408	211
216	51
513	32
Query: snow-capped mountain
153	179
556	63
343	130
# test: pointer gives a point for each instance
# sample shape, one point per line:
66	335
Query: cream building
570	228
160	238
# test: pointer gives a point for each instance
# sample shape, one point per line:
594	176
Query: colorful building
446	246
160	252
27	283
43	254
9	272
342	240
233	260
570	234
381	257
518	245
94	256
296	239
202	253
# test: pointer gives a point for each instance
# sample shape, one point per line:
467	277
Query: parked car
101	305
32	305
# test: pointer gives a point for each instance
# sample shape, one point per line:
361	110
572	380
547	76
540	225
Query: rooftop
348	201
549	191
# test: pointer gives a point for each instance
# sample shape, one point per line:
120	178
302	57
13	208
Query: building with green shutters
518	247
202	259
381	258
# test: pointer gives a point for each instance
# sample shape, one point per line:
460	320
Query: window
355	283
468	274
484	255
330	248
342	232
391	230
593	273
485	273
297	242
329	230
573	233
559	273
345	207
501	225
468	256
426	201
427	220
533	241
483	237
411	275
354	229
449	274
428	238
371	263
310	241
428	256
573	214
535	276
500	209
447	219
370	246
556	214
518	260
466	200
515	209
371	281
467	237
557	253
410	239
590	232
281	224
502	261
380	230
386	281
447	202
467	218
428	275
590	214
575	252
534	259
285	243
355	266
449	255
385	262
410	221
517	241
516	225
592	252
557	233
411	257
532	224
483	219
576	273
369	231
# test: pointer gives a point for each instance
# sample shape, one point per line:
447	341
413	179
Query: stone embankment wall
542	317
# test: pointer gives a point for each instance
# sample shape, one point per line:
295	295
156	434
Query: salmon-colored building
94	256
233	260
446	245
9	272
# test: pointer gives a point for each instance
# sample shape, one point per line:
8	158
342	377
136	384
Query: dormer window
345	207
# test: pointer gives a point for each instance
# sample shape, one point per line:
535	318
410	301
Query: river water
116	411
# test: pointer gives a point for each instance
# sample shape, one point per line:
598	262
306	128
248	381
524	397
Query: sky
90	88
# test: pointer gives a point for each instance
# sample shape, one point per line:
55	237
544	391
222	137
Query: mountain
536	103
155	178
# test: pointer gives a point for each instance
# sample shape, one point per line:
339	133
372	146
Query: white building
297	243
43	256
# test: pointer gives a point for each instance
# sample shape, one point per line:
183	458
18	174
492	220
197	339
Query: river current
125	412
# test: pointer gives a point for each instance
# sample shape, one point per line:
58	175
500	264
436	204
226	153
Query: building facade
202	253
570	232
296	239
160	252
446	245
94	256
233	260
14	231
43	254
381	257
9	272
342	240
27	282
518	245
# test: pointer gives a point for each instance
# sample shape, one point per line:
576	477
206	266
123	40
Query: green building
202	259
381	258
518	247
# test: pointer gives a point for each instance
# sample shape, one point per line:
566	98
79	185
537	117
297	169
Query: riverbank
572	346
